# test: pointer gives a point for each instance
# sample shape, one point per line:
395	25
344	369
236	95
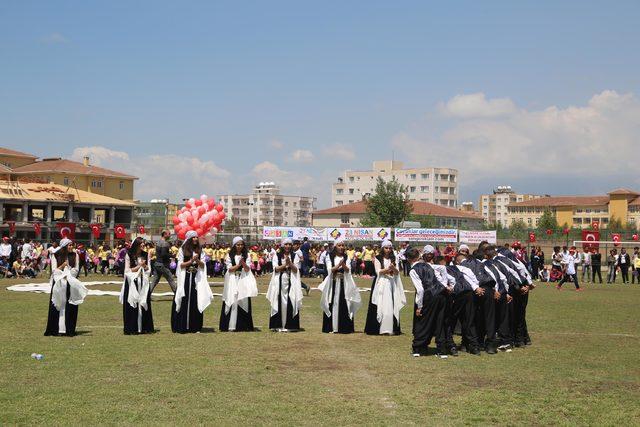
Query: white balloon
204	197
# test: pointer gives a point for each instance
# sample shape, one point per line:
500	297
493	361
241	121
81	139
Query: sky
212	96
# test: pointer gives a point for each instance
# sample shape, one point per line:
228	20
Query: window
286	203
66	180
412	189
436	189
351	191
344	218
96	183
452	178
121	185
424	188
338	202
413	176
339	191
350	179
424	176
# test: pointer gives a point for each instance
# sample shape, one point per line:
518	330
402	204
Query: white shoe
416	355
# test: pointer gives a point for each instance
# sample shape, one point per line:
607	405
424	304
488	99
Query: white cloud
162	175
339	152
494	141
287	180
302	156
276	144
476	105
54	38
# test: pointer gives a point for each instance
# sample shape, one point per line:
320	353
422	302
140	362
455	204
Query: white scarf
295	291
205	296
134	298
238	287
378	295
351	293
62	279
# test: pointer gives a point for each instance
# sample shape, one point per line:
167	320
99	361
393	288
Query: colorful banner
364	234
295	233
477	236
442	235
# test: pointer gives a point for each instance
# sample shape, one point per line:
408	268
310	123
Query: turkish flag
532	237
141	229
595	225
37	228
95	230
616	239
67	230
635	237
590	236
12	227
120	231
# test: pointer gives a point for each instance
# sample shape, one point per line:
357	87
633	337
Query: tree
517	228
548	221
388	206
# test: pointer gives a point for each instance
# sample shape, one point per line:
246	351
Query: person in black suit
624	261
596	266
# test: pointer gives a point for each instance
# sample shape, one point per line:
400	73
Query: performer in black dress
239	287
340	298
285	289
67	292
135	296
193	294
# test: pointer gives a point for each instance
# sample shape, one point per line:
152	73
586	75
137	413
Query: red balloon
190	220
211	203
219	207
188	204
198	202
200	231
202	210
176	220
634	237
222	216
182	235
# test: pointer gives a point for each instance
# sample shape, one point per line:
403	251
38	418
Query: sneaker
453	351
416	354
505	348
441	356
579	290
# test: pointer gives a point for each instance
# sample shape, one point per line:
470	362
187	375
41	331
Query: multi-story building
266	206
433	185
581	211
83	176
494	207
351	214
153	215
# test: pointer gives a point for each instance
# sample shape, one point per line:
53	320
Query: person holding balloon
193	294
239	287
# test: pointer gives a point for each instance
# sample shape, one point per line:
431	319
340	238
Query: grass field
583	368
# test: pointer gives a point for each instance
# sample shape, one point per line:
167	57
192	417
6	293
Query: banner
295	233
369	234
443	235
66	229
477	236
590	236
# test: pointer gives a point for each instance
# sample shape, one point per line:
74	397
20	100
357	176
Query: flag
616	239
95	230
590	236
141	229
37	228
66	229
532	237
12	227
595	225
120	231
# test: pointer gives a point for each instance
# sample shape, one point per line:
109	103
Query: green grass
583	368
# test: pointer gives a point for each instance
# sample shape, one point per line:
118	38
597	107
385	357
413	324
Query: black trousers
624	270
486	318
503	320
596	269
519	328
431	324
462	309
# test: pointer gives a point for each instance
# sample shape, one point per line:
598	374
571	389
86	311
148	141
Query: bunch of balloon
201	215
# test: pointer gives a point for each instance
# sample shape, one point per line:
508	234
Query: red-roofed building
349	215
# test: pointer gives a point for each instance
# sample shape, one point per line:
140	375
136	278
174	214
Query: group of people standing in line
485	292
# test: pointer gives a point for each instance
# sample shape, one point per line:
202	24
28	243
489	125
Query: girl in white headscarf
193	294
239	287
135	295
285	289
387	295
67	292
340	298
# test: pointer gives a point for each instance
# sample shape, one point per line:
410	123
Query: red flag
532	237
37	228
565	231
141	228
549	232
67	229
95	230
616	239
635	237
595	225
590	236
12	227
120	231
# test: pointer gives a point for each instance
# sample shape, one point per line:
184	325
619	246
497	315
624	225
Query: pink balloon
175	220
222	215
211	203
199	231
214	230
202	210
190	220
198	202
181	235
188	204
219	207
204	197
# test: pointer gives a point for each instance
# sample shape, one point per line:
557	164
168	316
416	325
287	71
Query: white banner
477	236
370	234
443	235
295	233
